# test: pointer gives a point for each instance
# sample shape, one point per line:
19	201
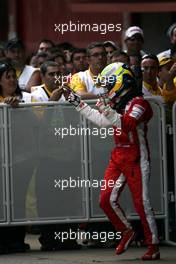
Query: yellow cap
164	59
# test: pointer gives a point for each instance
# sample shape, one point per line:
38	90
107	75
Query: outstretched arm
103	117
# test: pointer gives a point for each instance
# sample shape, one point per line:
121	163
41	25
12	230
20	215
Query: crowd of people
41	77
79	67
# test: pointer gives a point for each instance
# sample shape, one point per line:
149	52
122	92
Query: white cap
171	30
131	31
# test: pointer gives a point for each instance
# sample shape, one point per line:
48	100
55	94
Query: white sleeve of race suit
104	119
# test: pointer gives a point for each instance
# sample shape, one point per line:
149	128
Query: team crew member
134	41
151	68
84	83
49	90
167	78
79	60
27	75
45	44
171	33
110	47
129	111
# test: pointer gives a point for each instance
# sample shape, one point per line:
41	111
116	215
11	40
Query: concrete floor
84	256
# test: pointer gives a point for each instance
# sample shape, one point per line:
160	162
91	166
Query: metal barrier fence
174	160
39	158
2	170
174	142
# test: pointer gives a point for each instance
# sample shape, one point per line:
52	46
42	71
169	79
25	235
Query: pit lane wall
48	170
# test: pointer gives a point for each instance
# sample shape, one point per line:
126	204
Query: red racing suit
129	162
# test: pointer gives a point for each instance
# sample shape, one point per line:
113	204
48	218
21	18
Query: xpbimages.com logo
63	184
102	28
102	132
65	79
72	235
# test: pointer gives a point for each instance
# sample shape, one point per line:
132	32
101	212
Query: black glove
74	99
70	96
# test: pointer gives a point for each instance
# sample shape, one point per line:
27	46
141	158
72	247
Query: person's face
134	44
120	58
43	47
67	54
40	61
149	70
173	38
80	61
134	60
49	79
109	51
8	83
164	70
61	64
16	55
97	58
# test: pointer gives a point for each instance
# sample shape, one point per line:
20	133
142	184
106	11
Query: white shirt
25	76
39	94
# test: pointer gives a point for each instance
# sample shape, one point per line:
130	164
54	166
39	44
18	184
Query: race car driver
124	108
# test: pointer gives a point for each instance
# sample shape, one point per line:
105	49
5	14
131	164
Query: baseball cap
131	31
110	43
14	43
164	58
170	30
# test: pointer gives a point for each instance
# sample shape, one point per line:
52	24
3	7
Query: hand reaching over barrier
71	96
12	100
56	94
